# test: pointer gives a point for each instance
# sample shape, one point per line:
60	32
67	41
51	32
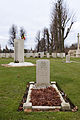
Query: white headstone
27	55
58	55
67	58
40	54
7	55
35	55
78	53
54	55
61	55
43	72
64	55
48	56
2	55
19	50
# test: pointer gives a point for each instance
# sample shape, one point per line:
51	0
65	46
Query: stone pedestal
67	58
42	73
19	50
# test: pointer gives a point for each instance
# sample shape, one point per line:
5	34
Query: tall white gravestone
43	73
19	50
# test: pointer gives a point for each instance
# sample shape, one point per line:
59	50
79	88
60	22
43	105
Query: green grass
13	84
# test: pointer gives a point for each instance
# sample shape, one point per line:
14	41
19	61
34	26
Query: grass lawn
13	84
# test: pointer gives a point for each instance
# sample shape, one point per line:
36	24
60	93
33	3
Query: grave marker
43	72
67	58
19	50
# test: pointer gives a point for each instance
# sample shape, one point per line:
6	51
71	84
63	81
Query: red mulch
45	97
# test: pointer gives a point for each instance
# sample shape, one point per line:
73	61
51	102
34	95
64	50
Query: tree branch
68	30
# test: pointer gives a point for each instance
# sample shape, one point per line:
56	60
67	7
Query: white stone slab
46	107
28	104
20	64
43	72
64	105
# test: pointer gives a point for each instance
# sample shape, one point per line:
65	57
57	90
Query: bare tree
12	32
38	41
43	43
6	49
59	21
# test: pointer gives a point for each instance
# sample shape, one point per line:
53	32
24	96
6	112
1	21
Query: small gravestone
35	55
42	73
19	50
63	54
48	56
42	54
58	55
67	58
54	55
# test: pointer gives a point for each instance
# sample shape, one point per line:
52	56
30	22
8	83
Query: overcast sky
33	15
